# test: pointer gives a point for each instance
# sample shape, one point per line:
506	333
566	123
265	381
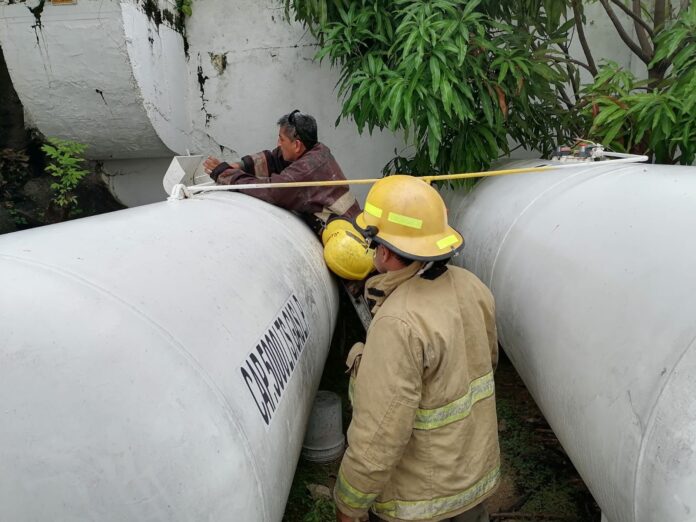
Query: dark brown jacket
314	204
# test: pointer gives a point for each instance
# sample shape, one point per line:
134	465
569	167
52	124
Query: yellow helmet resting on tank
335	225
346	252
409	217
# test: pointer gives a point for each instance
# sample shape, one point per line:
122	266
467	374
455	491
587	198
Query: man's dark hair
300	126
403	260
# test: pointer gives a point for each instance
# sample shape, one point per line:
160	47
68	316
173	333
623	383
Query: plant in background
463	78
65	164
185	7
654	115
458	77
14	165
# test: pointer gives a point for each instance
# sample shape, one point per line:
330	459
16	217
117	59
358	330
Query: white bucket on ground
324	440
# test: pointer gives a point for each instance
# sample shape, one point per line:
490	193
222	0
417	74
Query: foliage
322	510
458	77
648	115
19	219
14	165
301	506
461	78
185	7
65	162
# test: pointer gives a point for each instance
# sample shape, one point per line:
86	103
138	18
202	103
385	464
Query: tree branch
660	14
572	72
641	32
633	46
573	60
564	95
577	15
635	15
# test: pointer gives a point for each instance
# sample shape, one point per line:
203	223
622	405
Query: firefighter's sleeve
386	397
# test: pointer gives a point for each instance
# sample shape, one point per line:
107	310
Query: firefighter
423	440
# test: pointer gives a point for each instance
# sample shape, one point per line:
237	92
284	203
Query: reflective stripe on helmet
405	220
447	241
372	210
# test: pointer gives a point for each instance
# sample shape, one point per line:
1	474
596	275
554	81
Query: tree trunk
12	132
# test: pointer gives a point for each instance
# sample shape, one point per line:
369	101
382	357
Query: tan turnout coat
423	441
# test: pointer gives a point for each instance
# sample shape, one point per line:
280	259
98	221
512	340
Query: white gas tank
593	275
159	363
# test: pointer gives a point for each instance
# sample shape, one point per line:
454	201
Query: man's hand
211	163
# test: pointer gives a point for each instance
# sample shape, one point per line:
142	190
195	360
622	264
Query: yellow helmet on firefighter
345	251
409	217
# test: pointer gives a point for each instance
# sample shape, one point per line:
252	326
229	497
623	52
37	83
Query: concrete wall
70	66
115	75
118	76
250	68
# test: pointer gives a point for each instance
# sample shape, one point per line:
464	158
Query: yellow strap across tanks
479	389
352	497
427	509
623	158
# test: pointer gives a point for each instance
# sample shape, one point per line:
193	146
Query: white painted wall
269	73
75	79
153	103
605	42
245	68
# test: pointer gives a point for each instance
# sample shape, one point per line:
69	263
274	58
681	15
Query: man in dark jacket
298	157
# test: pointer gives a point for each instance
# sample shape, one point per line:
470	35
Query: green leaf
434	125
503	72
606	115
435	73
611	133
447	98
487	107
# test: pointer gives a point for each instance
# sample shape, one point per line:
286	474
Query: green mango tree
655	114
465	79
